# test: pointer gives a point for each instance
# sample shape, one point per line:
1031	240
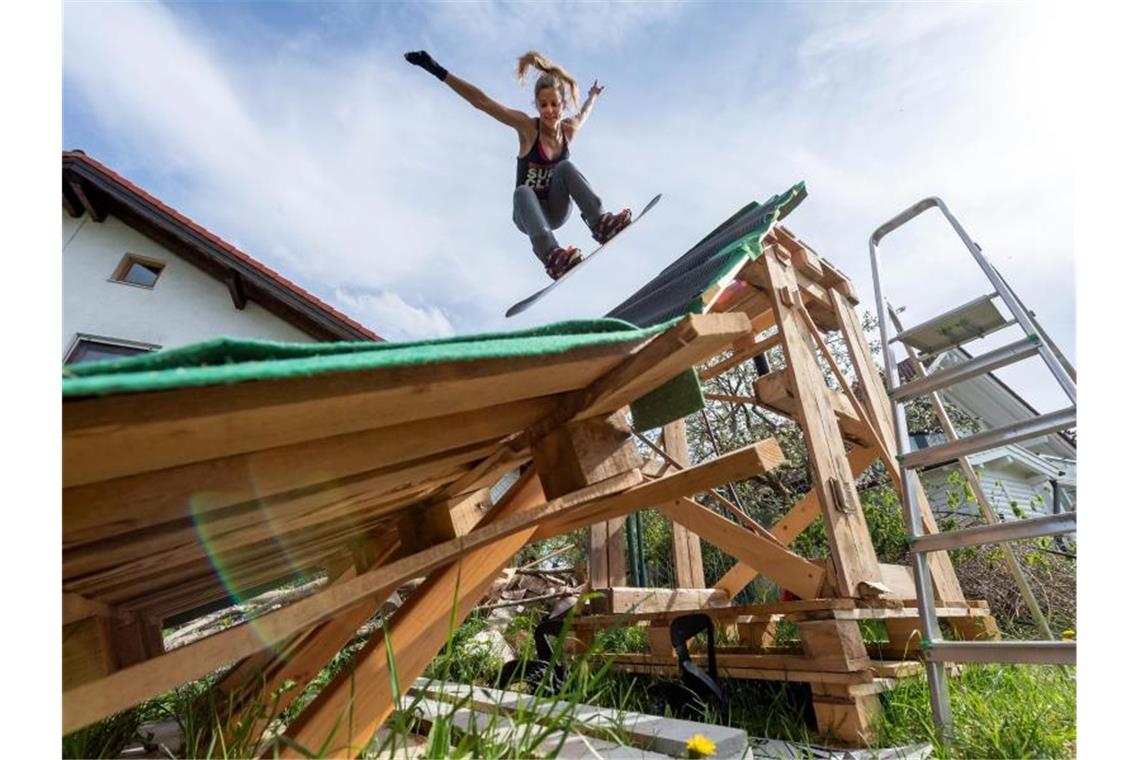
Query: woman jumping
545	180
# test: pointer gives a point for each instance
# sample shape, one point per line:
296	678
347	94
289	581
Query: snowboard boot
609	225
561	260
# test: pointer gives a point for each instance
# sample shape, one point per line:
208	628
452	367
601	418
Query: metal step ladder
970	321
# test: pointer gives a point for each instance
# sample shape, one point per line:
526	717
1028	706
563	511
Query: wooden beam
774	392
130	686
578	454
743	463
346	714
113	507
794	522
259	678
852	552
787	569
742	353
236	286
878	405
691	341
688	564
171	428
620	601
70	203
95	211
261	520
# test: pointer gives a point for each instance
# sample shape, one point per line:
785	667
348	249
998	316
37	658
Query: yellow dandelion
700	745
1068	634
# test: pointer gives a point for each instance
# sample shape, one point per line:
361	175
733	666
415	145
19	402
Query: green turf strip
229	360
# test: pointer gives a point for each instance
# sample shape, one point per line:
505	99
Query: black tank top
535	169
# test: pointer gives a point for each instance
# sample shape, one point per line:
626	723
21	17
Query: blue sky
297	131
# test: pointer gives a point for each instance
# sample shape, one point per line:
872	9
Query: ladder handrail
1012	302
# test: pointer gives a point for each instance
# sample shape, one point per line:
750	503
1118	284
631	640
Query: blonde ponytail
553	75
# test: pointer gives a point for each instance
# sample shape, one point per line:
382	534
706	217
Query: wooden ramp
188	483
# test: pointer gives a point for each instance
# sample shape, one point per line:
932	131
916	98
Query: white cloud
401	320
353	173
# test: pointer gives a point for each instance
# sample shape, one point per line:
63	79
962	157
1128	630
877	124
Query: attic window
87	348
135	270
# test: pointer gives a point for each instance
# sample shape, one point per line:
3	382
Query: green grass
998	711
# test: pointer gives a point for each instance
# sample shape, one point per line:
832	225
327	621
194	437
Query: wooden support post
346	714
975	628
845	714
904	638
578	455
946	586
134	638
758	634
87	651
834	644
659	642
857	567
688	566
786	568
252	689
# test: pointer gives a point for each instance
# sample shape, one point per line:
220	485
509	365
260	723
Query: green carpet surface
230	360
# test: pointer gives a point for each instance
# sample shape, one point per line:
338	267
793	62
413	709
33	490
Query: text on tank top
535	169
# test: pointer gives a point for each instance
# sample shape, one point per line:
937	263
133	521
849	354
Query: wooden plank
765	667
737	577
843	716
158	552
688	564
624	599
737	465
773	392
852	552
578	454
834	644
946	586
111	507
336	499
77	607
130	686
87	651
259	679
691	341
787	569
741	353
171	428
467	510
413	635
230	552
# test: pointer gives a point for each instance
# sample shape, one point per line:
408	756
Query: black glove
427	63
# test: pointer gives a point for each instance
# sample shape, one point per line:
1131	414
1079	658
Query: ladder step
961	324
1026	652
989	439
987	362
1014	530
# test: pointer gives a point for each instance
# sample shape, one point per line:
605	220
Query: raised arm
574	123
469	92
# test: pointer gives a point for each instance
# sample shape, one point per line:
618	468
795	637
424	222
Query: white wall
1000	486
185	306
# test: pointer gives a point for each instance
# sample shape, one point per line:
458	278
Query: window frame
125	264
81	338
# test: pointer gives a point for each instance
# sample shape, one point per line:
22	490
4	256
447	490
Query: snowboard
531	300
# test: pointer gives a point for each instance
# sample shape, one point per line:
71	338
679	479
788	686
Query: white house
1037	477
139	276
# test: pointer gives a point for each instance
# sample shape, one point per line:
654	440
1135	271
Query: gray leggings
537	218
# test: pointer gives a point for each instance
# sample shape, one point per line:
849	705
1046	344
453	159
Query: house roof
91	187
996	404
